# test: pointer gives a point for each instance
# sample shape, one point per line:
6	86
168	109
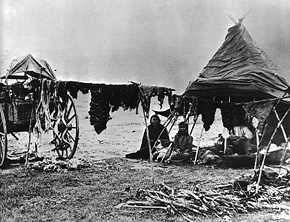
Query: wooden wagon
19	105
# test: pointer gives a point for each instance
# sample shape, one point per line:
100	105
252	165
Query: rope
263	100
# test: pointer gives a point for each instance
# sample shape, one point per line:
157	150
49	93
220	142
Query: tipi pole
188	113
284	153
149	145
285	137
147	135
282	128
146	125
169	118
258	151
268	147
225	145
277	100
167	122
29	139
169	150
226	141
197	148
193	125
174	120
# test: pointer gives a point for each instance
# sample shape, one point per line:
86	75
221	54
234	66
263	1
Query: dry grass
91	194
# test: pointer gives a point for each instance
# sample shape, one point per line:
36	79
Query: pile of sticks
189	203
274	187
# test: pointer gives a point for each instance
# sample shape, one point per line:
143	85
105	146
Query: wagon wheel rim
3	138
66	131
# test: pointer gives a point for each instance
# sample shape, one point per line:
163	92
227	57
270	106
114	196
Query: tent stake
197	149
267	150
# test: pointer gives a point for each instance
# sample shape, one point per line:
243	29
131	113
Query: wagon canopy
37	68
238	69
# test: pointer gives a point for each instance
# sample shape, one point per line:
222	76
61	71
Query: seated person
155	129
182	145
243	131
240	141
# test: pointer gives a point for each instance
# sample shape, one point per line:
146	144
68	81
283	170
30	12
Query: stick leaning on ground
199	143
267	150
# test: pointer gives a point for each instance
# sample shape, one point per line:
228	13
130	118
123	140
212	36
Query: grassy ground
91	194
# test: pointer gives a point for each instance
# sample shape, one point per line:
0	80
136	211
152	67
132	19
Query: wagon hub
61	126
62	145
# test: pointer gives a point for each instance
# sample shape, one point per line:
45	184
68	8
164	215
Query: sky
156	42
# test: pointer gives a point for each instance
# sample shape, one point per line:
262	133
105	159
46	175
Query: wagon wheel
66	131
3	138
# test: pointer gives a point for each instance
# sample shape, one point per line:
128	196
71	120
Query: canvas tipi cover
239	68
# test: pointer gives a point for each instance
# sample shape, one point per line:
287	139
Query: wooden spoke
3	138
71	118
69	109
57	136
68	133
66	141
58	152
